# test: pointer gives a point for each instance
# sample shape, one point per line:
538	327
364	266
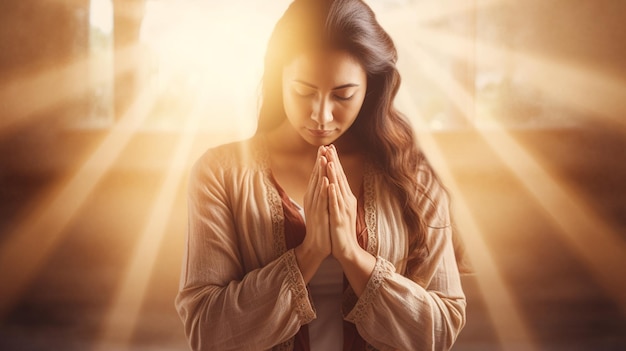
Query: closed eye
344	98
303	91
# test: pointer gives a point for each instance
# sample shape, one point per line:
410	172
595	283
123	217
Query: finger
332	172
313	188
340	196
342	186
323	163
325	185
332	150
321	166
314	173
339	176
321	203
333	202
340	170
313	180
319	179
322	150
331	169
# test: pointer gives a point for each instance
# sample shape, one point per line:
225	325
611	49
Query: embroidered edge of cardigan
276	207
382	270
370	209
350	299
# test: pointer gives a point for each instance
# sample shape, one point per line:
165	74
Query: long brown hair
385	133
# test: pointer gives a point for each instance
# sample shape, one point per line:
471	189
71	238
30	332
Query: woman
327	230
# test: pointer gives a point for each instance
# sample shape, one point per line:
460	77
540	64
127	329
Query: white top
326	287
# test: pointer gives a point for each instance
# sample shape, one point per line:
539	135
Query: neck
287	142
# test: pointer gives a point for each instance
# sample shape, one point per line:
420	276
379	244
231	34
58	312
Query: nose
322	112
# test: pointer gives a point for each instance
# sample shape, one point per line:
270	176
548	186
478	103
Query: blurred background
105	104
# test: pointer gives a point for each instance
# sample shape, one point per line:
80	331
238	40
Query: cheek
295	108
346	115
352	110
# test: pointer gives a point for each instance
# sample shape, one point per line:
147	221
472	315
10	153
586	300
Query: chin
321	141
318	140
318	143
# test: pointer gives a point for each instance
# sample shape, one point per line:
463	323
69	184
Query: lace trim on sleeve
382	270
296	283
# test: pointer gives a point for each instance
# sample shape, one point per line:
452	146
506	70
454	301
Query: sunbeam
34	237
123	313
595	242
418	13
585	89
26	97
592	239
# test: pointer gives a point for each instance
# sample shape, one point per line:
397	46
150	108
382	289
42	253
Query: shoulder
245	153
220	162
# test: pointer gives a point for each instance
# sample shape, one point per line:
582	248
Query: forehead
325	68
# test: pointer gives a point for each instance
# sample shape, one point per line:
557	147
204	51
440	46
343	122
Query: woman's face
323	93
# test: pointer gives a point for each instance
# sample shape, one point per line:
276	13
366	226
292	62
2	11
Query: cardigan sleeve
222	306
421	310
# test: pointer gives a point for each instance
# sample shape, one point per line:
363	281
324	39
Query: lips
320	132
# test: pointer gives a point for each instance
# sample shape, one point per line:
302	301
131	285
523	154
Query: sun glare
214	51
101	15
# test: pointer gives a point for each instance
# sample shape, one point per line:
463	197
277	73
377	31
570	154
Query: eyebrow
349	85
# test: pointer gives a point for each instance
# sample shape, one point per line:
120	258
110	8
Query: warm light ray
25	97
456	94
595	242
512	330
34	238
420	13
129	9
585	89
123	314
101	15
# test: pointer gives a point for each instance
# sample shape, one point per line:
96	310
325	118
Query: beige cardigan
241	289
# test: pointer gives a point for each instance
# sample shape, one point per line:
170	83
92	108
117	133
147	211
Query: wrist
351	254
358	265
308	261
